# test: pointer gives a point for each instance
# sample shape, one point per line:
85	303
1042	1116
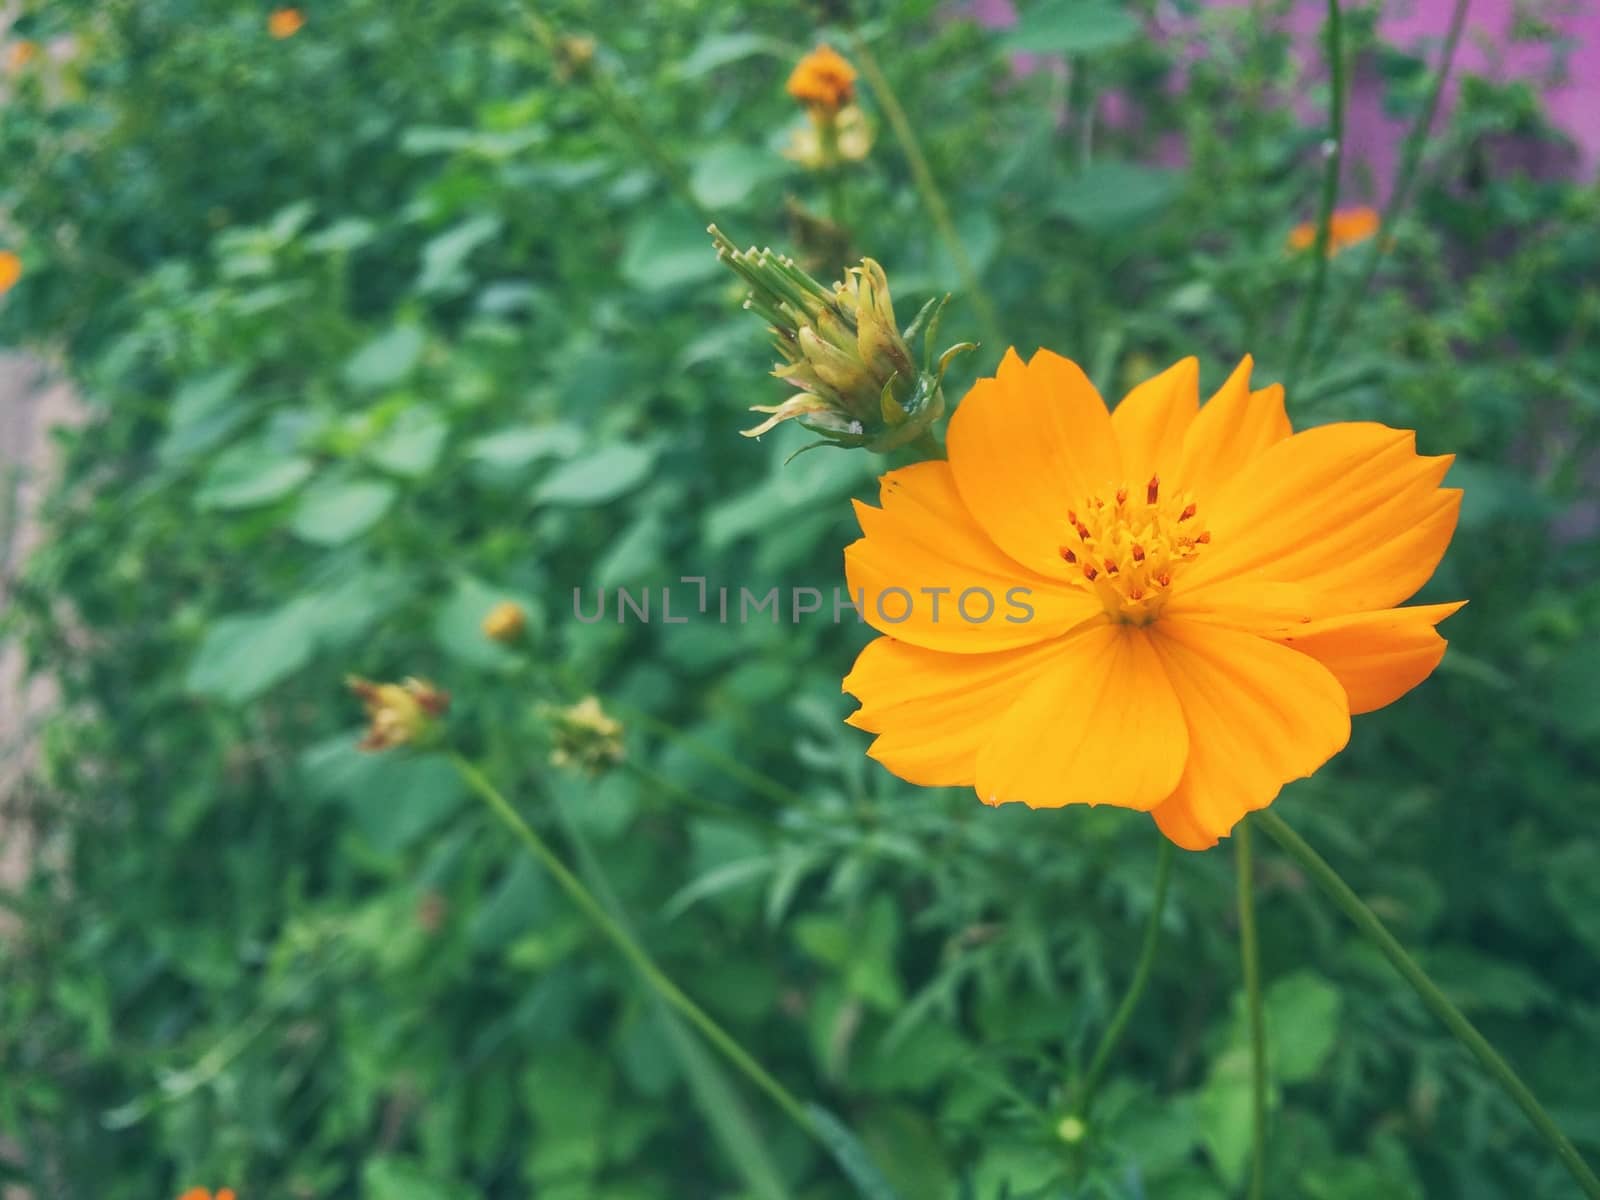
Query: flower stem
1400	195
928	189
626	114
1436	1001
1250	951
1136	985
630	949
1334	148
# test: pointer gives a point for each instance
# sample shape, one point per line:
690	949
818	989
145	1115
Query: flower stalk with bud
859	382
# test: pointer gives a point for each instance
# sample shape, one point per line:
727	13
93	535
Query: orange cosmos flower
207	1194
10	270
1167	608
823	79
1346	227
285	22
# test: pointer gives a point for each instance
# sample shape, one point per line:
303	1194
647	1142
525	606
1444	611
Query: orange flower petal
1174	819
1258	715
1235	427
1348	510
1152	419
922	555
933	712
1376	656
1100	726
1025	446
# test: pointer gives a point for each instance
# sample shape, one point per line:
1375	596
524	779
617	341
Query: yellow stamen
1127	554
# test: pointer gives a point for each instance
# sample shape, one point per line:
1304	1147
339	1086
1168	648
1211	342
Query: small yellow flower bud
584	736
574	55
1071	1130
399	714
505	622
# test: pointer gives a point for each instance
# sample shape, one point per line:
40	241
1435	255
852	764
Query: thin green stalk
626	114
1250	951
1436	1001
630	949
732	767
1330	191
1141	977
1405	178
724	1110
928	189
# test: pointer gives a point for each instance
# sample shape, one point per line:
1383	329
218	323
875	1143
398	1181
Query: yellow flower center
1129	548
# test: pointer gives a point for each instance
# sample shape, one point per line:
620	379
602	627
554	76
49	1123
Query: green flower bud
857	381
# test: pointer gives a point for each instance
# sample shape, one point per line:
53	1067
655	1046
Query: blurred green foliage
390	321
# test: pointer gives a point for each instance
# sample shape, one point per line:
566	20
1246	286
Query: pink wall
1563	70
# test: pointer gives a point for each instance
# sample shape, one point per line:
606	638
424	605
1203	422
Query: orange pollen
1130	554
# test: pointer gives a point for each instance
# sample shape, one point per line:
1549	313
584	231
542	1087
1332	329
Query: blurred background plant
396	315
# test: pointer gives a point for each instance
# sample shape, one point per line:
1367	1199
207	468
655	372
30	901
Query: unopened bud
584	736
858	382
505	622
399	714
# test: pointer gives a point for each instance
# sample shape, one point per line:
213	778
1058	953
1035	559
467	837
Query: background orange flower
10	270
285	22
1346	227
823	79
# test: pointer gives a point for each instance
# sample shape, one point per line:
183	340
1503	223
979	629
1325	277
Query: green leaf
597	477
725	173
242	656
1572	881
633	555
1223	1109
411	446
204	411
333	511
511	449
393	799
250	475
1110	197
668	248
444	256
386	360
851	1156
1072	27
721	49
403	1179
1302	1018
